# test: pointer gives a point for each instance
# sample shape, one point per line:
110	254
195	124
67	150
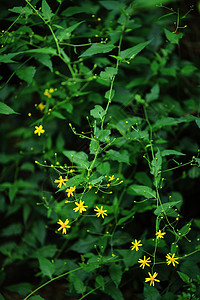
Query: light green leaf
172	37
184	277
108	73
22	288
198	122
96	49
26	73
36	297
6	110
21	10
46	10
98	112
130	53
47	268
78	158
167	208
141	190
110	94
171	152
188	70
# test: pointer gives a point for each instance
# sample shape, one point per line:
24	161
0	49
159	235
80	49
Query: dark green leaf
47	268
141	190
46	10
115	273
130	53
26	74
96	49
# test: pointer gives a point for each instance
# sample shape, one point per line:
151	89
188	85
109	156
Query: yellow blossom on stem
136	245
41	106
70	191
100	212
63	226
171	259
144	262
39	130
61	181
111	178
46	93
152	278
160	234
80	207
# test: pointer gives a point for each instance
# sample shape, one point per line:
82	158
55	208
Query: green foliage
100	154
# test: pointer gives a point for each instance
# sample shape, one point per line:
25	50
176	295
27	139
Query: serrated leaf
46	10
21	10
100	281
26	74
115	272
77	283
108	73
97	112
130	53
78	158
6	110
96	49
141	190
47	268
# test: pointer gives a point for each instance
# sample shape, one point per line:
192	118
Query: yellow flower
152	278
160	234
39	130
111	178
61	181
171	259
70	191
80	207
63	226
136	245
144	262
41	106
51	90
46	93
100	212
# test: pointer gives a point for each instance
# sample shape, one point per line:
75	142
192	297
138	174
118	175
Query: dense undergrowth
100	150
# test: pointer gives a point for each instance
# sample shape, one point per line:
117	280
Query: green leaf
185	229
47	268
98	112
197	160
115	272
1	297
154	93
45	60
26	74
108	73
120	156
110	94
172	37
188	70
198	122
78	158
100	281
130	53
74	181
6	110
77	283
22	288
13	229
36	297
96	49
46	10
167	209
184	277
141	190
171	152
114	292
151	293
21	10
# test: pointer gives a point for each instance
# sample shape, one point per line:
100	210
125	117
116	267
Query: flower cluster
170	259
48	92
